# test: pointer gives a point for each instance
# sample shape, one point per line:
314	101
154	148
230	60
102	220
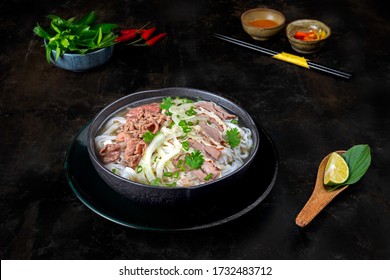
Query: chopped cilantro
148	136
194	160
168	174
113	170
233	137
186	100
166	104
234	121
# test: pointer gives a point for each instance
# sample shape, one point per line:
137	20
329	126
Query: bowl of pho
172	146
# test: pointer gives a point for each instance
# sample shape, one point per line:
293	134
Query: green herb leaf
191	112
185	100
148	136
166	103
233	137
71	36
358	159
100	36
194	160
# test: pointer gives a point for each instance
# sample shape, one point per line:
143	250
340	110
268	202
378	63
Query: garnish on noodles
178	142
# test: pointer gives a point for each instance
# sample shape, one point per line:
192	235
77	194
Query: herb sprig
75	36
233	137
194	160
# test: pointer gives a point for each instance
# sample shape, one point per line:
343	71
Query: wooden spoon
319	198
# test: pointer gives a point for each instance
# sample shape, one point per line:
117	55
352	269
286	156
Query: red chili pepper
145	34
154	40
126	37
128	34
129	31
300	35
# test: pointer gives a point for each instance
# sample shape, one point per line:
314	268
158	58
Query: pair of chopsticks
286	57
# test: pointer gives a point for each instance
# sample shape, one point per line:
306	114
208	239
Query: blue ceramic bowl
83	62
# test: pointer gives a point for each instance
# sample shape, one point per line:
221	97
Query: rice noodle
163	162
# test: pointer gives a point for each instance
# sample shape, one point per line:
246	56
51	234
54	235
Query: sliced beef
138	121
210	151
110	153
211	131
211	121
207	168
216	109
144	118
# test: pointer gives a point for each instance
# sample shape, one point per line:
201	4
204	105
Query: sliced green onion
208	177
191	112
185	145
156	182
173	184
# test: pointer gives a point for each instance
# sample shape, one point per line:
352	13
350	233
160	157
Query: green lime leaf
358	159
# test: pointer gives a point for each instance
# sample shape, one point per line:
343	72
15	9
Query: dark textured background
307	114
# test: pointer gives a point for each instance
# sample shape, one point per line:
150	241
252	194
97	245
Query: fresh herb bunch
76	36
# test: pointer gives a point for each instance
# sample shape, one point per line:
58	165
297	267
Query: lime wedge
336	170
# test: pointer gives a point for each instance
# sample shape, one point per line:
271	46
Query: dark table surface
307	115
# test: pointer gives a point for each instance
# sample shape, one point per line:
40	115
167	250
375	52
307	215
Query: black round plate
87	185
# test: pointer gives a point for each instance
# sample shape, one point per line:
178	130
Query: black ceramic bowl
163	196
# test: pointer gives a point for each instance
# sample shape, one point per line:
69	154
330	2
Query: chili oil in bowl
262	23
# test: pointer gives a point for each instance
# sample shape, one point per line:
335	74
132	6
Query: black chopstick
310	64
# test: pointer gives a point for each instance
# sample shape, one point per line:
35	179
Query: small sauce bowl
262	23
307	25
